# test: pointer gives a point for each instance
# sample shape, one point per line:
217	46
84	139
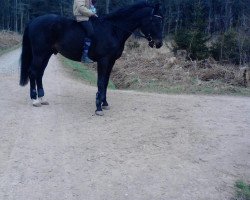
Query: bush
9	39
182	40
133	44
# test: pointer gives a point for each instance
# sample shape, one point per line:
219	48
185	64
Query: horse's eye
158	21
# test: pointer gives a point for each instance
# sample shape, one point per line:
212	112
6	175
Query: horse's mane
123	12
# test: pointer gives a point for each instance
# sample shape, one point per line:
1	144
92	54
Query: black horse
52	34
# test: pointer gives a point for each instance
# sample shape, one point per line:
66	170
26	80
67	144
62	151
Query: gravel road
147	147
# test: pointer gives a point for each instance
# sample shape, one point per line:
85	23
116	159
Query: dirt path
148	147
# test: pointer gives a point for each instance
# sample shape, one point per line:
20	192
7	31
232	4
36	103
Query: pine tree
194	39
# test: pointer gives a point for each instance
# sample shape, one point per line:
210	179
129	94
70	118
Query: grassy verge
3	51
196	87
82	72
242	191
9	41
215	88
161	71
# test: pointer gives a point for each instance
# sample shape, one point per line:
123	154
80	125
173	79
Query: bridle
148	36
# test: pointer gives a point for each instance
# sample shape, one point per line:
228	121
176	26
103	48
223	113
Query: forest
226	22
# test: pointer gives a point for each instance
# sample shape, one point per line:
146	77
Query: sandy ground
147	147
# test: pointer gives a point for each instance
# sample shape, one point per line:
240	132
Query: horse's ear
157	7
154	4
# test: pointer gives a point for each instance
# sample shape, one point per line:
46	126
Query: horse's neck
129	24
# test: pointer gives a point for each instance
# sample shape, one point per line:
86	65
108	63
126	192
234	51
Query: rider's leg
87	41
85	58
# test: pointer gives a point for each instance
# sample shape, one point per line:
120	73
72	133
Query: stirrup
86	60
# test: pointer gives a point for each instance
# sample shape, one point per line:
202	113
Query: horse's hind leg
36	72
33	92
39	81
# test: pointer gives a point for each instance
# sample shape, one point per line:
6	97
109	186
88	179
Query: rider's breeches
89	30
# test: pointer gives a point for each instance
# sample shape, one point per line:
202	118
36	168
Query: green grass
211	88
215	88
82	72
242	191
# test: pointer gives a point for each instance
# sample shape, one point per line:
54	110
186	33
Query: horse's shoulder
68	21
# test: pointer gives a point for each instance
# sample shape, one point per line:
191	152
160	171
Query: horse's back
47	29
47	22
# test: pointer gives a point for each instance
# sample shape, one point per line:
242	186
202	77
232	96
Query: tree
194	40
190	19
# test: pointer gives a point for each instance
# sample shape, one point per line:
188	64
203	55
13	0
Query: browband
158	16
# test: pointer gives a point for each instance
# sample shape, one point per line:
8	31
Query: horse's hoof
43	102
36	103
99	113
106	107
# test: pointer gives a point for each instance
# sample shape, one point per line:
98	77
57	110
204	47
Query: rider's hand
94	15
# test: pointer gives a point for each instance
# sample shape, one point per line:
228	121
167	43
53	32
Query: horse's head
152	27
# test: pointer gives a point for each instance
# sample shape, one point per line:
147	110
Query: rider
83	10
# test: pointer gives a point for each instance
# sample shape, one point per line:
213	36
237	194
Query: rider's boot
85	58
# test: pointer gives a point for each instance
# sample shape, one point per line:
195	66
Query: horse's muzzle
158	44
155	43
151	44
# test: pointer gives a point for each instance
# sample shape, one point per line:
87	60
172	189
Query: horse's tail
26	58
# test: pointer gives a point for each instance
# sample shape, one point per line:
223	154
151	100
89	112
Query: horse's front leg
100	96
101	83
105	105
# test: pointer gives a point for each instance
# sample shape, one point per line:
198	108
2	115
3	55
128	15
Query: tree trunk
107	6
